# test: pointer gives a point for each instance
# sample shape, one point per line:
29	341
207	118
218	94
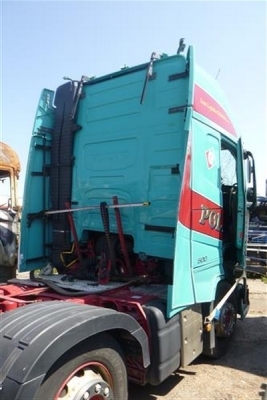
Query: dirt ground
240	375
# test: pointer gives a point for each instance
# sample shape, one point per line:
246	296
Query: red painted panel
205	105
197	212
206	216
184	211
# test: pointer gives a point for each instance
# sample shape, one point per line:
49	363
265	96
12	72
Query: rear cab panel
165	152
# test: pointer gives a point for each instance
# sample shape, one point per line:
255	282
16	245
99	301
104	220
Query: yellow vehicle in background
9	211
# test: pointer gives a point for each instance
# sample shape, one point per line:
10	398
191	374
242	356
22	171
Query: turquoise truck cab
136	200
177	151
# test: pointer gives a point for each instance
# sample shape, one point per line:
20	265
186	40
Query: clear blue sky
44	40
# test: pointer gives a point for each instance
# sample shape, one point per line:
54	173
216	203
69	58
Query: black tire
96	367
225	335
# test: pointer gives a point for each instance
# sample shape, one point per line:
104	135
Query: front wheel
217	341
226	324
95	371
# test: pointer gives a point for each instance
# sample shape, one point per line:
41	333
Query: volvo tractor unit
133	232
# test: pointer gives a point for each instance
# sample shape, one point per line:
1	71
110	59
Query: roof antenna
181	46
149	74
218	74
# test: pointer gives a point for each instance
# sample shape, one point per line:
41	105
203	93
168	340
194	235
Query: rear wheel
92	372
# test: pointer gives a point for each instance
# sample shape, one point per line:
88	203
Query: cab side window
229	192
228	167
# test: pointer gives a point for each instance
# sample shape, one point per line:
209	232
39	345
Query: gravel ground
240	375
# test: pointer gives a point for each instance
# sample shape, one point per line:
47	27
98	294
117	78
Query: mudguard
33	337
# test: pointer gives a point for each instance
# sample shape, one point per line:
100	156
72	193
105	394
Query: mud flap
192	334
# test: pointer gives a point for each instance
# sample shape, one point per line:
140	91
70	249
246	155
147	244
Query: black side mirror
250	195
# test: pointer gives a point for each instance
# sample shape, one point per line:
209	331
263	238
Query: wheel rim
91	381
226	324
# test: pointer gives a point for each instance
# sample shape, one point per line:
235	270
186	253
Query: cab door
234	201
242	215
